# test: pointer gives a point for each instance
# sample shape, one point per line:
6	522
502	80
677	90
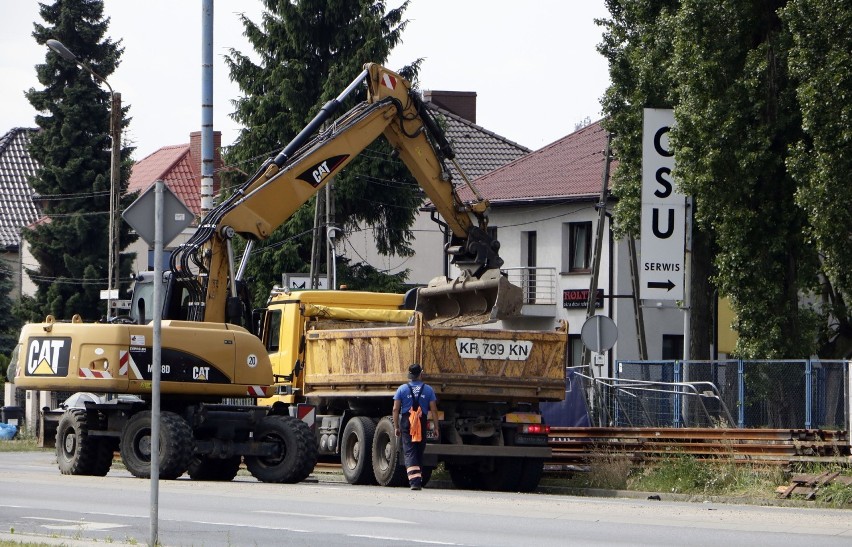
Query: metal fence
795	394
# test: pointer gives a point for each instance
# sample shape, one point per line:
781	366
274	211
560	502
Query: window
273	330
672	347
529	242
577	254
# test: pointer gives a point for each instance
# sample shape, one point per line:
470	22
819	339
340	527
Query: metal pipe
207	149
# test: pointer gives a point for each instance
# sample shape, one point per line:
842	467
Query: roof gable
568	168
17	208
478	150
172	165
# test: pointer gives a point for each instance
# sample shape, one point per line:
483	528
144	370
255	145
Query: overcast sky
532	64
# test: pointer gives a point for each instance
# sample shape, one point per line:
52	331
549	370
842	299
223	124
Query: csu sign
663	213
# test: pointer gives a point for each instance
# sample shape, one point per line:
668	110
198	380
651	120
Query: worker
416	402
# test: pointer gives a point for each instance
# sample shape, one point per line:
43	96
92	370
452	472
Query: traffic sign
140	215
663	222
599	333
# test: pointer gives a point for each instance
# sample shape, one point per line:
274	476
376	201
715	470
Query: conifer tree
309	51
73	151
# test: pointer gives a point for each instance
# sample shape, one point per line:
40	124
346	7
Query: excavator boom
304	167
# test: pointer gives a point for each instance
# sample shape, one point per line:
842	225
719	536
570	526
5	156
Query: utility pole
596	262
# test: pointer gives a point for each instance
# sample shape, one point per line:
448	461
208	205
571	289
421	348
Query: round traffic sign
599	333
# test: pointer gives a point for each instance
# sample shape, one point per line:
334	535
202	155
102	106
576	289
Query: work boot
415	487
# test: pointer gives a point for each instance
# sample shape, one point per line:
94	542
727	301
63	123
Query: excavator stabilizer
468	300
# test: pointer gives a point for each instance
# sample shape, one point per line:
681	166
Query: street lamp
115	170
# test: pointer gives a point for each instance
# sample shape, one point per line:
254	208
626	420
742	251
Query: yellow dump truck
339	357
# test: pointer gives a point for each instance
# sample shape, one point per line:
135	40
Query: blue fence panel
794	394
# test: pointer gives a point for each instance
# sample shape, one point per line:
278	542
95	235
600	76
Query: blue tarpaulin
7	432
571	412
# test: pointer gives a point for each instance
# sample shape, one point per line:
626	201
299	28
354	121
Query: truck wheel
355	448
76	452
175	445
297	453
505	477
202	468
531	472
465	477
387	468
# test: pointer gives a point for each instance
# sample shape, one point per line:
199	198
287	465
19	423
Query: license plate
484	348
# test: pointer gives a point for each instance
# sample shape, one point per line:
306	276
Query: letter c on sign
658	145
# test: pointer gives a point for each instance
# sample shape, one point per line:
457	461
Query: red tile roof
173	165
571	167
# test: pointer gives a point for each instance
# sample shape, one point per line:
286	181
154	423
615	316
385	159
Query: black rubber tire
203	468
297	454
76	452
425	475
175	445
505	477
387	467
355	448
465	477
531	471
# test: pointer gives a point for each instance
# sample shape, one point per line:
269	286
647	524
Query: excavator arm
321	150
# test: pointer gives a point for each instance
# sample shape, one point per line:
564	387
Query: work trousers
413	450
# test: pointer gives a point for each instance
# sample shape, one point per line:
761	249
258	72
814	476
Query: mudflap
468	300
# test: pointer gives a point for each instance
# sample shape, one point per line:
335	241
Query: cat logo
48	356
318	173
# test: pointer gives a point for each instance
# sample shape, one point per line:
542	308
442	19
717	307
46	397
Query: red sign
579	298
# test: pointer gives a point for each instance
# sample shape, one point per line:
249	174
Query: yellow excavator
206	354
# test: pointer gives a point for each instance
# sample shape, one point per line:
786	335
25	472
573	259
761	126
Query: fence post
741	390
808	394
677	398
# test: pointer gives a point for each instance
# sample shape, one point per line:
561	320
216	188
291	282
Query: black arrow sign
668	285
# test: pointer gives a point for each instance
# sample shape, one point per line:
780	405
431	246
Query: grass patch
23	442
685	474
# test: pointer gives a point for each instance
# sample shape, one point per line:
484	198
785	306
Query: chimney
195	156
460	103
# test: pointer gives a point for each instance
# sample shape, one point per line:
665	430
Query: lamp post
115	170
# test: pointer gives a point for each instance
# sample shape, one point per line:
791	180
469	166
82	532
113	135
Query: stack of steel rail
579	445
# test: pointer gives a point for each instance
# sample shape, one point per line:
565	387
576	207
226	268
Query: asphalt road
39	504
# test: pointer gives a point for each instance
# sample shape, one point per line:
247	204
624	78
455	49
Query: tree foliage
9	325
307	52
73	151
821	160
761	94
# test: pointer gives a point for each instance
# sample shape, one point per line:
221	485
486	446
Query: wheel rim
385	452
70	443
353	452
142	444
271	460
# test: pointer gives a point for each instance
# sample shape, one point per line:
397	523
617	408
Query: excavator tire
175	445
202	468
296	457
355	448
387	467
76	452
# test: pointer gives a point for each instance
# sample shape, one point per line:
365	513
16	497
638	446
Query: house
17	208
179	166
543	207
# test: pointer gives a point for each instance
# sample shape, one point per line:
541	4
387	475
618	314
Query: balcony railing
538	284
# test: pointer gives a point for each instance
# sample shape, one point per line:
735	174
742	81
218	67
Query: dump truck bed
459	363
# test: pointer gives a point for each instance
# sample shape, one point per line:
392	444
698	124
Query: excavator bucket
469	301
